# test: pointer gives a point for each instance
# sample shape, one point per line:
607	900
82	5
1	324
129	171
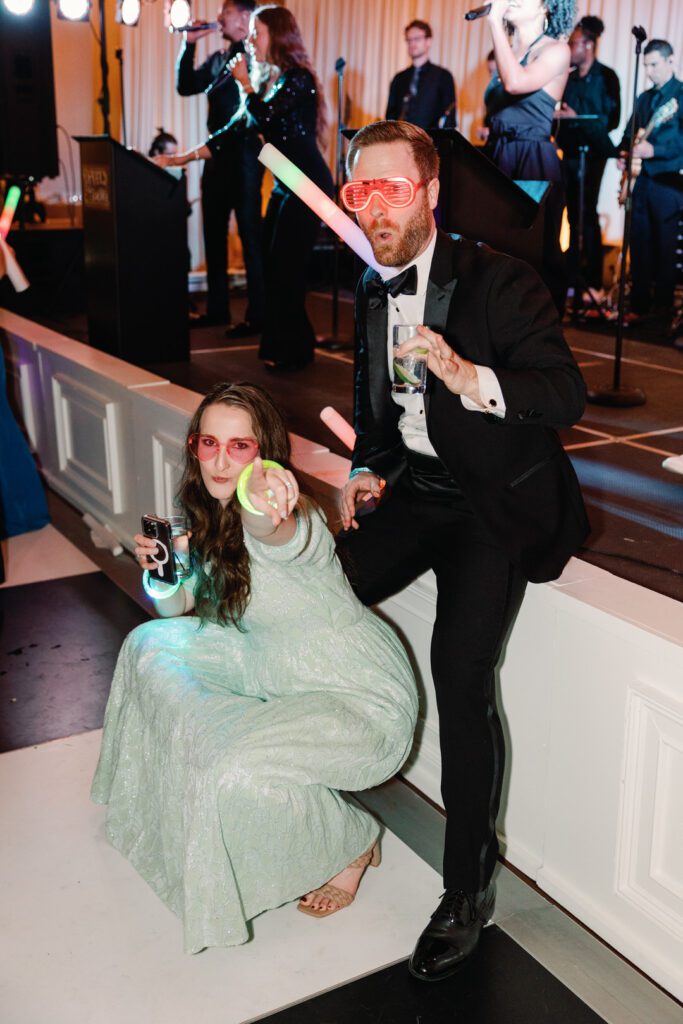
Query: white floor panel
83	938
42	555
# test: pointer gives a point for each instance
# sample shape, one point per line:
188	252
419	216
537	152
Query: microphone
478	12
200	27
639	32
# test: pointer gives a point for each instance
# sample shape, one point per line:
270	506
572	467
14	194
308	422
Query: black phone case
160	531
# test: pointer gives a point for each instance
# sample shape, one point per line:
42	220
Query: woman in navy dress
283	99
520	103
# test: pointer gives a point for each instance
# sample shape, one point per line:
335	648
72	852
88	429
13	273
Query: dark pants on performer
591	270
232	181
419	526
657	206
290	230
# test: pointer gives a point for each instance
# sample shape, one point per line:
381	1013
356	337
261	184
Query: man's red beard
405	246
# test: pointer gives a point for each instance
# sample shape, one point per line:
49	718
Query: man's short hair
661	45
242	5
421	26
423	149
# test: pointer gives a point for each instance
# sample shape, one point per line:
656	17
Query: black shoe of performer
207	320
452	934
244	329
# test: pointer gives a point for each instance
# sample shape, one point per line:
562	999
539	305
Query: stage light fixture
128	12
73	10
180	14
18	7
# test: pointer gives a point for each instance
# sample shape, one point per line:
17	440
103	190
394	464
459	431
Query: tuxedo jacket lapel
378	370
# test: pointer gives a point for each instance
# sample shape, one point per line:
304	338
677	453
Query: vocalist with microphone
533	68
233	181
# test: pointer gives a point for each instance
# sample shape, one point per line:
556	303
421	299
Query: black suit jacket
494	311
435	97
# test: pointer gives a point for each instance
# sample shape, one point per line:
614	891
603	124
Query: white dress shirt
409	309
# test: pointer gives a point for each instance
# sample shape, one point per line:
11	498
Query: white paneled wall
591	684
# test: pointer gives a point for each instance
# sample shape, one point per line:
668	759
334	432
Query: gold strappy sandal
373	858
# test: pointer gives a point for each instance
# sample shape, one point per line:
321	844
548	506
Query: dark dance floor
502	985
634	504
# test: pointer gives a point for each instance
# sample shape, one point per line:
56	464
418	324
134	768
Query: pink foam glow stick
339	426
314	197
12	268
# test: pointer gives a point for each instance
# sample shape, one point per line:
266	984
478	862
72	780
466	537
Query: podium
136	261
481	203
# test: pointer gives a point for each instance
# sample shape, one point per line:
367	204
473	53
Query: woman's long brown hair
287	50
217	535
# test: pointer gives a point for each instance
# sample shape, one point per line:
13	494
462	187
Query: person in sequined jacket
283	99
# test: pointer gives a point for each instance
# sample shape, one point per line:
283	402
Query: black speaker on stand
28	122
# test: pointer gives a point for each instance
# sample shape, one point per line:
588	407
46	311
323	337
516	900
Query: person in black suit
478	486
232	182
424	93
592	88
658	191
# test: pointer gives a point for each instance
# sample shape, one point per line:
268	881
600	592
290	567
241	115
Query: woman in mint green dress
230	736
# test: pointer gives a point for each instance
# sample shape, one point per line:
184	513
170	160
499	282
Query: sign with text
96	187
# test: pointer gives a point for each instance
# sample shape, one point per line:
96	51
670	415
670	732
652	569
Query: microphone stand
333	344
104	68
617	395
119	57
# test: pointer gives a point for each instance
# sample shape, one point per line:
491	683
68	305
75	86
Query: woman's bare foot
348	880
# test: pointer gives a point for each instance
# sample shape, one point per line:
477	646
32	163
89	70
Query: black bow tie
404	283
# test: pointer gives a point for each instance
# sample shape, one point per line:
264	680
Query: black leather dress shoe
244	329
207	320
452	933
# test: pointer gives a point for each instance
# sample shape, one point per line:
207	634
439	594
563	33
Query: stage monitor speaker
28	122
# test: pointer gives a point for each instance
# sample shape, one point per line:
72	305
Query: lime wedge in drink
405	375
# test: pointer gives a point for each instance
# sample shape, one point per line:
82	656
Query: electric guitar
660	117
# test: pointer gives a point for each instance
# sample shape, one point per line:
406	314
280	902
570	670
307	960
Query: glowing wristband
149	585
244	478
360	469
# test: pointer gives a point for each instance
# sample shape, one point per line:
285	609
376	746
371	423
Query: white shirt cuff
491	396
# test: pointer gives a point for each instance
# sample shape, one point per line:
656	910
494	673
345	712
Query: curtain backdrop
369	35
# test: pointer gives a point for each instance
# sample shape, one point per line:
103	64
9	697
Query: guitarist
658	191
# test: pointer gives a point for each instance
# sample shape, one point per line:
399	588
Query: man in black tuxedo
424	93
232	181
478	486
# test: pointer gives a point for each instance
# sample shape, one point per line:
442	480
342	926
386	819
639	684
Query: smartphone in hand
159	529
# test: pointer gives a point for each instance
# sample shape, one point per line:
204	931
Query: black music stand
477	200
135	240
579	129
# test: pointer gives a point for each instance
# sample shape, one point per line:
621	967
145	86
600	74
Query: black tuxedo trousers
479	593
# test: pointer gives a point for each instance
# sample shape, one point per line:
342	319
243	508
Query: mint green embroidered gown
225	754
